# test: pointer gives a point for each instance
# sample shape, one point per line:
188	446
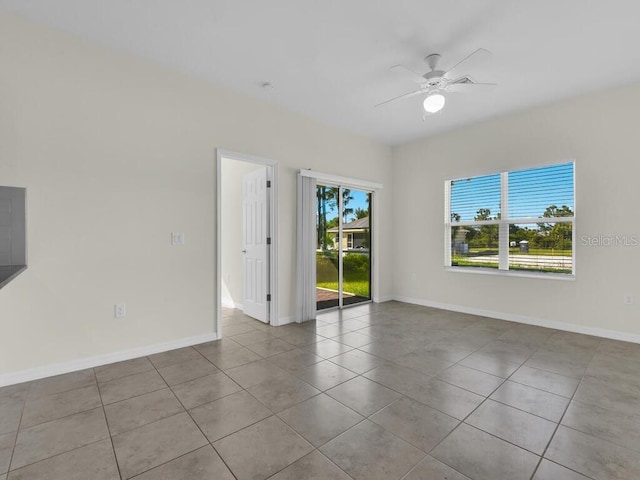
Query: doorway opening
343	249
246	262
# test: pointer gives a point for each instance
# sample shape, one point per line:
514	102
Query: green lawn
356	275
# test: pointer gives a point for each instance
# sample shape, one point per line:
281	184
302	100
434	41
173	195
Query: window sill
511	273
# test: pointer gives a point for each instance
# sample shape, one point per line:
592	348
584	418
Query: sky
531	191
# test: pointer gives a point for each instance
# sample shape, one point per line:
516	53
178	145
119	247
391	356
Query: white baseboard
386	298
283	321
96	361
512	317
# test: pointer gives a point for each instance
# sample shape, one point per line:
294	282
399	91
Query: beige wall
601	133
116	153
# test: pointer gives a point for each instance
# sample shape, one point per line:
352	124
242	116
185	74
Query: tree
327	199
361	213
346	198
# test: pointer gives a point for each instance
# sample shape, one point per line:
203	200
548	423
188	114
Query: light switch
177	238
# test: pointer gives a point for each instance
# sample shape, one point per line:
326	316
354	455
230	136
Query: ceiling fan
437	82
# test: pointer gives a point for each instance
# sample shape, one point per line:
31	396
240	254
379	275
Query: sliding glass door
343	251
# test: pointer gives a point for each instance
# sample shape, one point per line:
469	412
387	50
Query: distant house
355	235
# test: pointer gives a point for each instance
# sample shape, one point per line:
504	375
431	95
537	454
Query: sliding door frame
369	187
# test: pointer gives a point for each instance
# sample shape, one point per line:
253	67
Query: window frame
503	230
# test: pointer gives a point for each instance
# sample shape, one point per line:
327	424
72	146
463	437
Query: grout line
106	421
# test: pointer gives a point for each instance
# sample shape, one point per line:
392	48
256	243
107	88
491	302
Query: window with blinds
520	220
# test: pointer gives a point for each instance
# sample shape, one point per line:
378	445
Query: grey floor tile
528	334
515	426
138	411
489	364
122	369
156	443
473	380
618	349
203	463
617	371
332	331
262	449
623	399
283	392
227	359
302	337
46	408
547	381
593	457
448	353
432	469
10	414
570	364
368	452
328	348
423	362
538	402
313	466
572	342
256	372
205	389
62	383
95	462
228	415
252	337
363	395
320	419
354	339
131	386
271	346
171	357
237	329
59	436
7	441
420	425
615	427
552	471
324	375
390	348
508	351
358	361
217	346
296	360
481	456
185	371
396	377
454	401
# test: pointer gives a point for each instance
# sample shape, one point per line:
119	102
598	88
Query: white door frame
272	174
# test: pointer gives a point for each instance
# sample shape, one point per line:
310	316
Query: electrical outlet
628	299
177	238
120	310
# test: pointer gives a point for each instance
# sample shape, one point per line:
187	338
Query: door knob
244	251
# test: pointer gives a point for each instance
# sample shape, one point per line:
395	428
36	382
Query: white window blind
520	220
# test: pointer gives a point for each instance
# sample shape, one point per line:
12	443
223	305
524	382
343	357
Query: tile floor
380	391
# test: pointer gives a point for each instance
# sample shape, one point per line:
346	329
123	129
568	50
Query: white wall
601	133
232	229
116	153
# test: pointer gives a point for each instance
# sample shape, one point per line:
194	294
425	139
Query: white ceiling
330	59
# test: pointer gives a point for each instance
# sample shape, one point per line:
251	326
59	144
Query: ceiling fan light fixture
434	103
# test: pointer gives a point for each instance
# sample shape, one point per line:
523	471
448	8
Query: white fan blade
415	76
478	58
404	95
465	87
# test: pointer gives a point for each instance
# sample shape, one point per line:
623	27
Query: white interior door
255	249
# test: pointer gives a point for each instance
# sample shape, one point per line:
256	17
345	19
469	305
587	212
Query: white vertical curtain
306	250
